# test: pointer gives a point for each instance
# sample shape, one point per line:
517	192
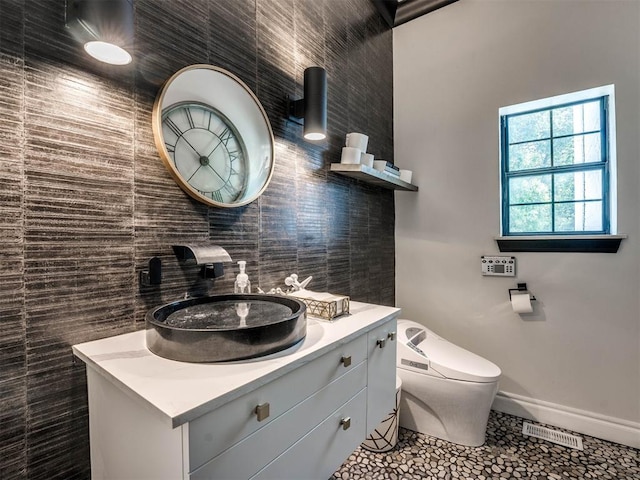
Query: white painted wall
453	69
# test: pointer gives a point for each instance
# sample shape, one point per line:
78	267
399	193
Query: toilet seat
422	351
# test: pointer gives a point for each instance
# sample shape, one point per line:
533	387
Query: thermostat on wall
498	266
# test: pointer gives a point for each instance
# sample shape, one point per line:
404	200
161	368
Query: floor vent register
553	436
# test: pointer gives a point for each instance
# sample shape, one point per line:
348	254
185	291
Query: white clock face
206	151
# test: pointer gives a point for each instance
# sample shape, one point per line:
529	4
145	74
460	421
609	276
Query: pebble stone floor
506	454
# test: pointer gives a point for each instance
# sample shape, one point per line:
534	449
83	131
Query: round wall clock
213	136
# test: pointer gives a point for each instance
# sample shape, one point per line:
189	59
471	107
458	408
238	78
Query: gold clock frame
209	97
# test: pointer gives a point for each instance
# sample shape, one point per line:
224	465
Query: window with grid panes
555	167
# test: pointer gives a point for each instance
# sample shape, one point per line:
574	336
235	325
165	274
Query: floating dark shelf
373	176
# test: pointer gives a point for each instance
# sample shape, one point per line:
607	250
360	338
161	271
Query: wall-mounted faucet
211	257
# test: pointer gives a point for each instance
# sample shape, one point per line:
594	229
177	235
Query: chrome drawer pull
262	411
382	342
346	423
391	336
346	360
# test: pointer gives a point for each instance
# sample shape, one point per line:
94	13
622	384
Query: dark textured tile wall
85	201
13	340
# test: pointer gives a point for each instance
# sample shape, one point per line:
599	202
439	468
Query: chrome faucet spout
202	254
211	257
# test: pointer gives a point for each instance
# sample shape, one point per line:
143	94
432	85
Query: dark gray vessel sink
221	328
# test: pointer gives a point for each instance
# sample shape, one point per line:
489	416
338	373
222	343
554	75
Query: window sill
561	243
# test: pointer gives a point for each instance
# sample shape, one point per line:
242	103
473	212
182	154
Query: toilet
447	391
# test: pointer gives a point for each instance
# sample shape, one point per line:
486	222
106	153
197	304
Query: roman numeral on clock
173	127
217	196
229	188
234	155
187	112
225	136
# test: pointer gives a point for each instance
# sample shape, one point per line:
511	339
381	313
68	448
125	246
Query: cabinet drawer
319	453
254	452
216	431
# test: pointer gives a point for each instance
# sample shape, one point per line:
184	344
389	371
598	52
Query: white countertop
181	392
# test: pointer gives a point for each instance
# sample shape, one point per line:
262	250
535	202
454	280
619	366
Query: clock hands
204	160
215	194
223	139
226	183
214	148
200	157
200	134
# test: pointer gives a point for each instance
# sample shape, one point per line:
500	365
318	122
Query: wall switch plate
498	266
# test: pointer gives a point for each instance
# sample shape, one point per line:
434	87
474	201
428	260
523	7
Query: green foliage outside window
554	169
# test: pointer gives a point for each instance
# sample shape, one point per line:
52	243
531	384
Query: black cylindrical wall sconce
312	109
104	27
315	103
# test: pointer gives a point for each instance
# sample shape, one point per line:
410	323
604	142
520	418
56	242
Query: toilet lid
455	362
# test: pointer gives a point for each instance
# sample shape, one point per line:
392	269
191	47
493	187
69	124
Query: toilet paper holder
522	288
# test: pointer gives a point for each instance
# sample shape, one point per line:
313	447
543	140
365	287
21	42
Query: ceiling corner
397	12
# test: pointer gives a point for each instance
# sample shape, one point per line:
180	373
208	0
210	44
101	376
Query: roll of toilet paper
357	140
521	303
350	155
366	159
405	175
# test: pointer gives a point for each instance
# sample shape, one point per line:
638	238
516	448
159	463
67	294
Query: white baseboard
613	429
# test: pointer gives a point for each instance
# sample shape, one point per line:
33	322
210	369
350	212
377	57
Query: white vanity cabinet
298	414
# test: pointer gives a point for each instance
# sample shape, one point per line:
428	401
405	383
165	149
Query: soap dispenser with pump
242	284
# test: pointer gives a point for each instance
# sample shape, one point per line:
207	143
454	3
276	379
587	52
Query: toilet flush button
411	363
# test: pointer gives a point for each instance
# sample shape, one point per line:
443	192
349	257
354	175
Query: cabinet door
381	374
127	438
